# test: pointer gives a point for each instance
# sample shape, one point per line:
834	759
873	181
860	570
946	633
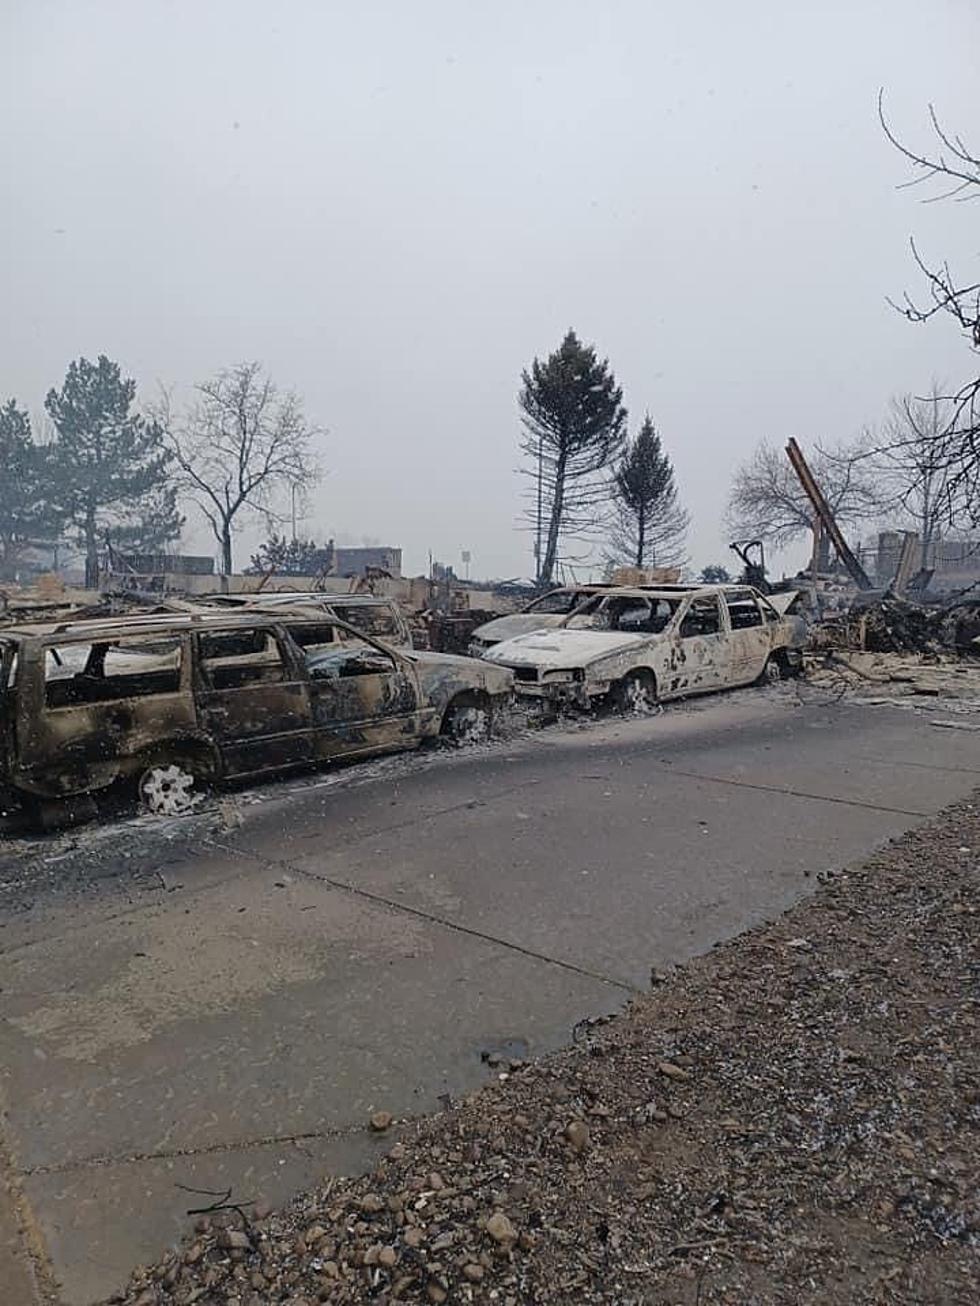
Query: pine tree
108	460
27	515
649	525
574	423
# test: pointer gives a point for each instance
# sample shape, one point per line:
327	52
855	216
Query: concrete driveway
224	1007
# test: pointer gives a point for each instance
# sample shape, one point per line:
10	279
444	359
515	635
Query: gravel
793	1117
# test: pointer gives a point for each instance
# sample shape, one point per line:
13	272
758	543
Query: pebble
381	1120
500	1229
234	1240
673	1071
578	1134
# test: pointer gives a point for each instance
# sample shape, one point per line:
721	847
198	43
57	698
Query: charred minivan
173	702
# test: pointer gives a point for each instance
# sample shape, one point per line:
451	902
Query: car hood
561	649
519	623
448	670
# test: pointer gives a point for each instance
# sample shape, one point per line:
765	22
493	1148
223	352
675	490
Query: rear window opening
102	672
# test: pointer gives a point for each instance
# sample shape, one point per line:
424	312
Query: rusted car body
643	646
215	695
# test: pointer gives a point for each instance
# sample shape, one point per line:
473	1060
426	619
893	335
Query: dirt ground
793	1117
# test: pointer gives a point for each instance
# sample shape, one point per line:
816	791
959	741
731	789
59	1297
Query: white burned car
642	646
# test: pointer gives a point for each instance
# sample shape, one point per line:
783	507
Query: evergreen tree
574	423
289	557
27	515
108	460
715	574
649	525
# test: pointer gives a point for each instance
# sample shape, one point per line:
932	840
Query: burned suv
173	702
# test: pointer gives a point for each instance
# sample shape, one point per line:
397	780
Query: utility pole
292	490
537	538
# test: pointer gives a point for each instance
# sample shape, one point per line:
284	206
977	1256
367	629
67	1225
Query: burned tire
635	693
172	785
468	719
777	668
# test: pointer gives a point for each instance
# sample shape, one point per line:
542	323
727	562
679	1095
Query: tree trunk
226	549
640	539
554	526
91	551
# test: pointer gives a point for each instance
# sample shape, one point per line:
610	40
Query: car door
702	656
253	699
364	697
750	635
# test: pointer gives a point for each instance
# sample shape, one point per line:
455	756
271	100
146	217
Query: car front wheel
635	693
467	719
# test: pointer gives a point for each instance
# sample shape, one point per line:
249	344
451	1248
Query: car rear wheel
170	788
635	693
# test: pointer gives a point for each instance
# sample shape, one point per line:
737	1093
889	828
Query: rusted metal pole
822	509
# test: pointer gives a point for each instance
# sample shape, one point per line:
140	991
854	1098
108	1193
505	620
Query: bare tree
768	502
648	525
240	444
910	462
953	171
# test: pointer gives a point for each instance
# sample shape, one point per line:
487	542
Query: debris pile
893	625
793	1117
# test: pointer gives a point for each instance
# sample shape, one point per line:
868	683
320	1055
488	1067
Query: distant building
955	564
355	562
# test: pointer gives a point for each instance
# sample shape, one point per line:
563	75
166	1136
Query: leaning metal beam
822	508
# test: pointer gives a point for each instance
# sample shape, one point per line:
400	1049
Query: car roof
155	623
286	598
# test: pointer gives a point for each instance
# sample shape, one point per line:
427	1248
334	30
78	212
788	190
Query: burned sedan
172	703
642	646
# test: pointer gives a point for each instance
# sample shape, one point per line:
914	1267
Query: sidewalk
794	1117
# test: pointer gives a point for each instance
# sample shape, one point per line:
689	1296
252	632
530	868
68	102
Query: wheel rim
773	672
636	694
168	790
468	723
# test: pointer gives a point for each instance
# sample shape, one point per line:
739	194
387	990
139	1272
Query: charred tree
950	170
574	424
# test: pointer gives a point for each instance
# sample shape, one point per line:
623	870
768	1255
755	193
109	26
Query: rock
413	1236
261	1210
473	1272
578	1134
501	1230
397	1153
673	1071
371	1204
435	1181
436	1291
381	1120
234	1240
388	1257
193	1253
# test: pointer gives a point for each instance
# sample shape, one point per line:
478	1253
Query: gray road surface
210	1007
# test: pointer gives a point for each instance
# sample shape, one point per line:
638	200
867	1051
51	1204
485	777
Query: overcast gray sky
395	204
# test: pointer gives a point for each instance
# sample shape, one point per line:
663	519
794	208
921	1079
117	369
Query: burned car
642	646
372	614
549	610
174	702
